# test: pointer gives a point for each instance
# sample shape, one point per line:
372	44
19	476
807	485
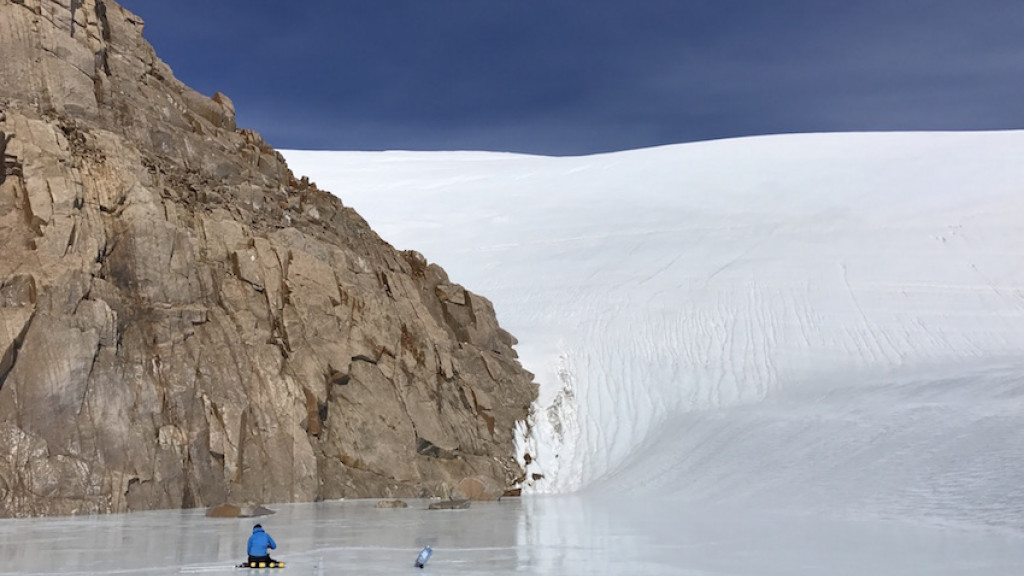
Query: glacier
648	285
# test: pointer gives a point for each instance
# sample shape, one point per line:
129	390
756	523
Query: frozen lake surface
542	535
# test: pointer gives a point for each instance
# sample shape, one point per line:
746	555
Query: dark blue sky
581	76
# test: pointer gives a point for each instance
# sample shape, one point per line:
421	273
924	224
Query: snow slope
832	322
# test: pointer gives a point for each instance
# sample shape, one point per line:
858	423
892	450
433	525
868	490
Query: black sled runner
258	565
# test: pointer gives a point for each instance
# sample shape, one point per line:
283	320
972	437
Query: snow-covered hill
834	322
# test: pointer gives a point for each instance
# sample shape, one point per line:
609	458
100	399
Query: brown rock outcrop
224	511
184	323
480	488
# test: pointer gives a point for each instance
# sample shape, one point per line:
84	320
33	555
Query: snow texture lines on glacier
684	282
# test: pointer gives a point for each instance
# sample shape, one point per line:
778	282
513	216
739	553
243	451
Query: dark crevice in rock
188	500
88	378
71	239
104	24
462	396
101	65
286	263
8	360
101	61
279	337
337	378
241	446
75	5
425	447
4	138
384	283
363	358
9	164
101	256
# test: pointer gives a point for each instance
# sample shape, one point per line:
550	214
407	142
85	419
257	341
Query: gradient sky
567	77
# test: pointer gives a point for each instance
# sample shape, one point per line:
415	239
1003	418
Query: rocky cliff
184	323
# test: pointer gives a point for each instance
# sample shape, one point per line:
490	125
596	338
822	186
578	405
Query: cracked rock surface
184	323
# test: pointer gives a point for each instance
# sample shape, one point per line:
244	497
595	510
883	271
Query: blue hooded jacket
259	542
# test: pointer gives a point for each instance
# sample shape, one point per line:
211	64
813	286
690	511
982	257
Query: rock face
183	323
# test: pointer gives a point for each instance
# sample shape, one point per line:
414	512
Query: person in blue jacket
258	544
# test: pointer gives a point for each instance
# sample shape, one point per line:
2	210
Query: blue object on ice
421	560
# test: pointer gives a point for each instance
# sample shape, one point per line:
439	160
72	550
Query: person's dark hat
257	526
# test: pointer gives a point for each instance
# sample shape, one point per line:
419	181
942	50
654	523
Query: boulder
256	511
479	488
449	505
224	511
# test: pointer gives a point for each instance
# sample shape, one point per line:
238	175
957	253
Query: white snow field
786	355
